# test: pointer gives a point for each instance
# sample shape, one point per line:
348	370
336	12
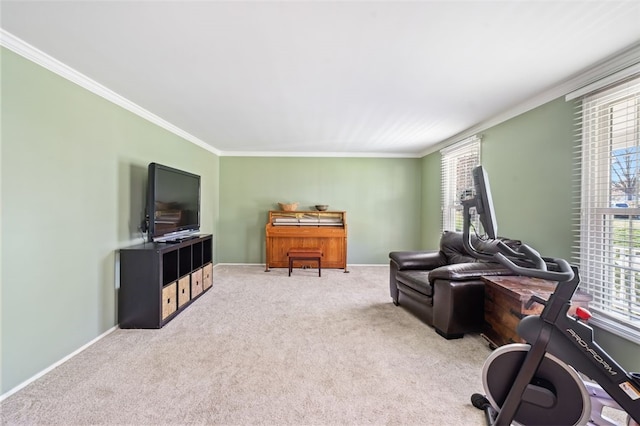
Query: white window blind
608	141
458	161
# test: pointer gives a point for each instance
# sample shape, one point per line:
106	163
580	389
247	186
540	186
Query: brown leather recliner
443	288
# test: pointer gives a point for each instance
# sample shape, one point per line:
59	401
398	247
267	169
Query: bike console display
484	202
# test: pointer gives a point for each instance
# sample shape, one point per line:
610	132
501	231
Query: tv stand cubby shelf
159	280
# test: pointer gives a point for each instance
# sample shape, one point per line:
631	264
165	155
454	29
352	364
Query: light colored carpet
264	348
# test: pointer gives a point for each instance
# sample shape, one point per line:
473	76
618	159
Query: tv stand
159	280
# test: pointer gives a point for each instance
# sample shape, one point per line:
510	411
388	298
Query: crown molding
611	79
613	64
319	154
37	56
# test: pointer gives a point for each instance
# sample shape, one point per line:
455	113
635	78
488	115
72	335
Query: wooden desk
505	298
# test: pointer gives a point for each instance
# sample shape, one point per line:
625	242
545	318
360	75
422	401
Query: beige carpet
264	348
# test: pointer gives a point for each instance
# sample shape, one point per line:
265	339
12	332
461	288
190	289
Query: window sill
625	331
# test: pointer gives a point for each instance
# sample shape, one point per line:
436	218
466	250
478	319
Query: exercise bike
561	376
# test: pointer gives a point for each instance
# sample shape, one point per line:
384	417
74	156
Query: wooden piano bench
305	254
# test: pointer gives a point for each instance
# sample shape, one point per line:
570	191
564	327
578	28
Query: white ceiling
335	77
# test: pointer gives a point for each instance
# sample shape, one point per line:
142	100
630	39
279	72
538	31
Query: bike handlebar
540	266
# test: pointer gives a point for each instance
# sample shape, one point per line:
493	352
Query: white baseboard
48	369
237	264
367	264
262	264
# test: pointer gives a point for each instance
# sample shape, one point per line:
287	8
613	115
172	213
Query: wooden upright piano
326	231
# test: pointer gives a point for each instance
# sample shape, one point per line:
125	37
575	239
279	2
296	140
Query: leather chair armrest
417	260
467	271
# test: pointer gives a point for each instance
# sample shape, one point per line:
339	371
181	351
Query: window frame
454	188
603	272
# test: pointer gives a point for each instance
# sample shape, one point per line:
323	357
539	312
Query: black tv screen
484	202
173	203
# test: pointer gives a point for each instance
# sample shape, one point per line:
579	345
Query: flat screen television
484	202
173	203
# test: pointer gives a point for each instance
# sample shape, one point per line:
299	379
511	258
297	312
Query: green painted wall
73	169
381	197
530	159
431	218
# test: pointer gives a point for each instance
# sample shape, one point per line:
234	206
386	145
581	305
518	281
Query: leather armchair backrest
453	249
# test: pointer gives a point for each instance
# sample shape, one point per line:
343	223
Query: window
458	161
609	234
